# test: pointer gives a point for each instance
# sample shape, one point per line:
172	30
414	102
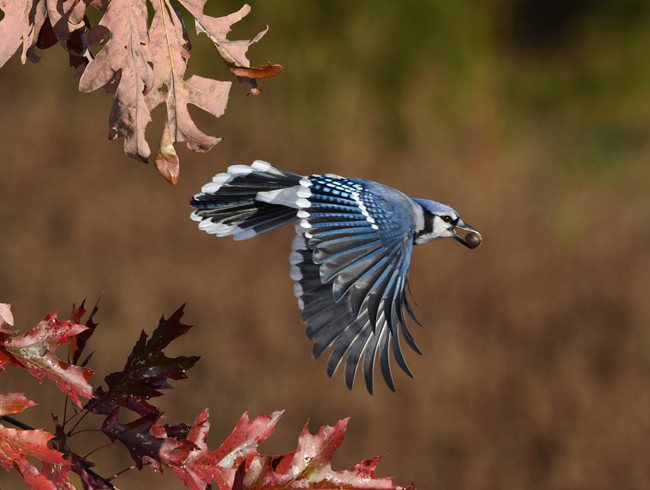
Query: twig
81	432
129	468
97	449
79	420
16	422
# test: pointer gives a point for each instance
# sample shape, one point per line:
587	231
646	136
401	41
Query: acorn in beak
467	235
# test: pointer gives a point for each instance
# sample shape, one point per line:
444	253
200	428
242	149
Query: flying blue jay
350	256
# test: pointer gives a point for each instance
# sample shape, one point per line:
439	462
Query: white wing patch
294	259
302	203
364	210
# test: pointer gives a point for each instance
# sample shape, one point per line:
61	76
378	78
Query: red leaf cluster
235	464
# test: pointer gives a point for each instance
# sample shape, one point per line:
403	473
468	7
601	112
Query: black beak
467	235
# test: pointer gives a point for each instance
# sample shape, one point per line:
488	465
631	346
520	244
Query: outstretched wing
350	261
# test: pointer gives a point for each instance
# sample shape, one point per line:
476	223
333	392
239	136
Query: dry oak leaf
21	24
122	66
233	53
35	351
16	445
169	53
66	16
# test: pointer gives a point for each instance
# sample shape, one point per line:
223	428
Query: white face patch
441	229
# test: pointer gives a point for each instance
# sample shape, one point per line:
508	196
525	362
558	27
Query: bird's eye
446	219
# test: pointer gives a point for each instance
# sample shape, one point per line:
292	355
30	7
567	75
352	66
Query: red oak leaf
197	467
238	464
147	370
59	475
14	403
16	445
309	466
136	436
5	315
35	351
78	343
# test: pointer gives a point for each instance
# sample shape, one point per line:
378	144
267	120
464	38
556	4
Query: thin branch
71	434
103	446
65	409
16	422
129	468
79	420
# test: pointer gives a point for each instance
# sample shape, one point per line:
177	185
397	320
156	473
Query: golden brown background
531	118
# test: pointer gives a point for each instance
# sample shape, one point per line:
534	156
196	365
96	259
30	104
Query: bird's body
349	259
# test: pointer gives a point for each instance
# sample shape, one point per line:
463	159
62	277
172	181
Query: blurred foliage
576	68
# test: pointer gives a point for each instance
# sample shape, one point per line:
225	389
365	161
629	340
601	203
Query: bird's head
442	221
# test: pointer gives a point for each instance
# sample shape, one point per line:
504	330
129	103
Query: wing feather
350	260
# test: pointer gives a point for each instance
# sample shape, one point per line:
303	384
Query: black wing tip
370	386
390	382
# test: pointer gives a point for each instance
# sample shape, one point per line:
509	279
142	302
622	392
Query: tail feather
232	205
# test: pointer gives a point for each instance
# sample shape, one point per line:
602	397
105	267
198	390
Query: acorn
473	240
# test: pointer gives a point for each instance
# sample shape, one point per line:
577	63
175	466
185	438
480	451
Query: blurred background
531	118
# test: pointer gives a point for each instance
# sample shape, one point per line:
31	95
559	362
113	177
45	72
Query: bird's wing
350	262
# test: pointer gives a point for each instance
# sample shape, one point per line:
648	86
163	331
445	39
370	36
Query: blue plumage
349	260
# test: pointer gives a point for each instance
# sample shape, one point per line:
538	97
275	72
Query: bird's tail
247	200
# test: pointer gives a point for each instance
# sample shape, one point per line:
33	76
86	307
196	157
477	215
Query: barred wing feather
350	261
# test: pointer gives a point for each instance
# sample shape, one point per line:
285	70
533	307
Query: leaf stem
71	434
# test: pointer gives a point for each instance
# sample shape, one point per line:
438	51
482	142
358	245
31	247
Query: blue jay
350	256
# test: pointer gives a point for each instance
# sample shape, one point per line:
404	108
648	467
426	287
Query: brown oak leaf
66	16
233	53
169	51
122	64
21	24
